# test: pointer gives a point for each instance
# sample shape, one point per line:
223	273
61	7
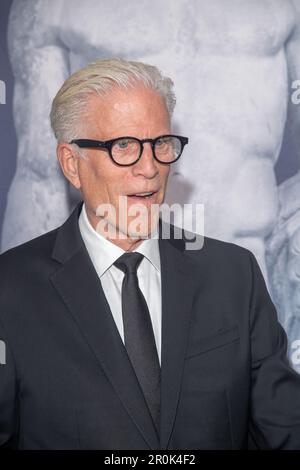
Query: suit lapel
178	290
78	285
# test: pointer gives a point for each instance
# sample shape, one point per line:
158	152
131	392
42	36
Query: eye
122	144
163	141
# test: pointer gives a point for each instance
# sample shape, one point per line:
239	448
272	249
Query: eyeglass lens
126	151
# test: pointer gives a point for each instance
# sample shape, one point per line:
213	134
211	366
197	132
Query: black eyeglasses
126	151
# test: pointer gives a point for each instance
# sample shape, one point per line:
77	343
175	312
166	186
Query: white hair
100	77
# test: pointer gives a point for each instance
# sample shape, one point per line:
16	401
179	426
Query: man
117	337
236	122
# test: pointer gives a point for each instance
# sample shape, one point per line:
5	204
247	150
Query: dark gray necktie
138	333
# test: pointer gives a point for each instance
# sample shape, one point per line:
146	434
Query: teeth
142	194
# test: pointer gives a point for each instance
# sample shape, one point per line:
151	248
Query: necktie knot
129	262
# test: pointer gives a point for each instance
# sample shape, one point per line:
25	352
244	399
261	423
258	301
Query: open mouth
148	195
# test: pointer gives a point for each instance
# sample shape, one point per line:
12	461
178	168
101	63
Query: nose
146	165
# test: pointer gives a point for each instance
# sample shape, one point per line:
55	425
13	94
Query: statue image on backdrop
234	68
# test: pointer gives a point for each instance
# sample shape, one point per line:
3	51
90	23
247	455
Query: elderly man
235	120
117	337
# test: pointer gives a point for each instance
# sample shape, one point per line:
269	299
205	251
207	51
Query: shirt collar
104	253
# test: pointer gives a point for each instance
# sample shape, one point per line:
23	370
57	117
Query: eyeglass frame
107	145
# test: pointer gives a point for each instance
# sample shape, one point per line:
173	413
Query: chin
142	228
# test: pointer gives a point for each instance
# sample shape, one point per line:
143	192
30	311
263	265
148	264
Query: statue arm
37	199
283	246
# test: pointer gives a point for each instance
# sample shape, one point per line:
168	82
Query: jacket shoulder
212	245
27	254
221	259
201	245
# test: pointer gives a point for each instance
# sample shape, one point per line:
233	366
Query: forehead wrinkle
135	103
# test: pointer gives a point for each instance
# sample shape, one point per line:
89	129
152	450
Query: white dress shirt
104	253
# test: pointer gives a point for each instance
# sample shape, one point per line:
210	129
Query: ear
68	159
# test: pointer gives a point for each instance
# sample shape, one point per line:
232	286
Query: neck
120	239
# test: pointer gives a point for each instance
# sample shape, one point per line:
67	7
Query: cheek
102	184
91	180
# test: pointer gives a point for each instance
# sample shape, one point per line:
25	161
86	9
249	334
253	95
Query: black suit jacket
68	382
